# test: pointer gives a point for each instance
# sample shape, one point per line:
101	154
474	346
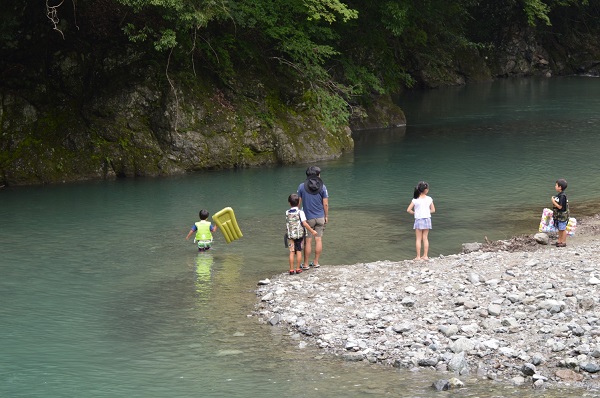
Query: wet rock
441	385
274	320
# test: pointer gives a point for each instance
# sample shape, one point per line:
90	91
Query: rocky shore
513	311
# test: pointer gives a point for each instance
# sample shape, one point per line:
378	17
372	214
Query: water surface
103	297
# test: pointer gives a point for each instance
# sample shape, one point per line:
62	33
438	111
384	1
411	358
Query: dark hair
293	200
203	214
562	183
420	188
313	171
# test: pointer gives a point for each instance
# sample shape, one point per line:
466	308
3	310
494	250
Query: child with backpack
295	222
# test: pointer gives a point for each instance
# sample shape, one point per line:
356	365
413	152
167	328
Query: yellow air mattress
225	220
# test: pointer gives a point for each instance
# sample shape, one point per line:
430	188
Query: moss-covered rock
149	128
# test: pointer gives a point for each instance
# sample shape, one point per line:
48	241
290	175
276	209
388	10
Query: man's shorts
562	225
296	244
318	224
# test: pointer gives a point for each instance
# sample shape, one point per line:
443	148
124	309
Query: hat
313	185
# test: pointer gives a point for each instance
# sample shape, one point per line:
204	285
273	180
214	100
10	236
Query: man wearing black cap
314	200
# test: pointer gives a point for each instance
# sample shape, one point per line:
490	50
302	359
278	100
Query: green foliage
339	52
327	10
536	9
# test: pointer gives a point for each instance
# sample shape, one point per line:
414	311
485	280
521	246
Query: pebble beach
516	311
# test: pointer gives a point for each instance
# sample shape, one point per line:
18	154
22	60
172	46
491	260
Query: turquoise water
103	297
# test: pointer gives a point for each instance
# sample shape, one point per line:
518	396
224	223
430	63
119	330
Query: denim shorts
562	225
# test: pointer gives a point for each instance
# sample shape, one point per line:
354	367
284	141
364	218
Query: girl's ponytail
416	194
420	188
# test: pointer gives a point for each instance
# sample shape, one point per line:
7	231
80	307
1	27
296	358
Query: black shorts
297	244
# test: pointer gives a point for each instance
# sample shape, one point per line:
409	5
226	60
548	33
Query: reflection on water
103	297
392	135
204	262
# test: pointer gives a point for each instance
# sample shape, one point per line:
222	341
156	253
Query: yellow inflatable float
225	220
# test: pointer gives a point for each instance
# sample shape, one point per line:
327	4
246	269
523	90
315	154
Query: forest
327	60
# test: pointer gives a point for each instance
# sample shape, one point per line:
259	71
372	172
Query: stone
591	367
471	247
441	385
428	362
503	313
568	375
458	364
494	309
528	369
455	383
541	238
594	281
448	330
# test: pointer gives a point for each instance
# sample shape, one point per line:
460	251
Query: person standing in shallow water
421	207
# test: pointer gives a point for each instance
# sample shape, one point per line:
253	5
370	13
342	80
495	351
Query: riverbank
513	311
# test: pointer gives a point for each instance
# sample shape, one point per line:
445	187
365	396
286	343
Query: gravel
514	311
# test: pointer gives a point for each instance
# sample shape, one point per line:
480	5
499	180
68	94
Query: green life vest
203	232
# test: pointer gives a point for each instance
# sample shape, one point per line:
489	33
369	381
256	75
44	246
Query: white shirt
422	207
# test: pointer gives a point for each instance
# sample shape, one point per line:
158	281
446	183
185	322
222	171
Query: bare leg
562	236
318	249
291	247
419	236
298	261
307	250
425	244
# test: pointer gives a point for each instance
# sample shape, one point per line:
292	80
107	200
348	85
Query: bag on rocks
547	223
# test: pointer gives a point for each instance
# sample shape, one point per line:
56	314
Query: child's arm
189	234
312	231
213	228
432	208
410	208
555	203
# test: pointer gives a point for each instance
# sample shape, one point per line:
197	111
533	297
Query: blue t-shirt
313	204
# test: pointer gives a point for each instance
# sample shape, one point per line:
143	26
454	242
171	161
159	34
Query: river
103	297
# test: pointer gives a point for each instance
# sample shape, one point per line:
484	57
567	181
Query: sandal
298	271
292	272
315	265
304	267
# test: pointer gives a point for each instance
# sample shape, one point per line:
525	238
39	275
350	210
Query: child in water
203	230
421	207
